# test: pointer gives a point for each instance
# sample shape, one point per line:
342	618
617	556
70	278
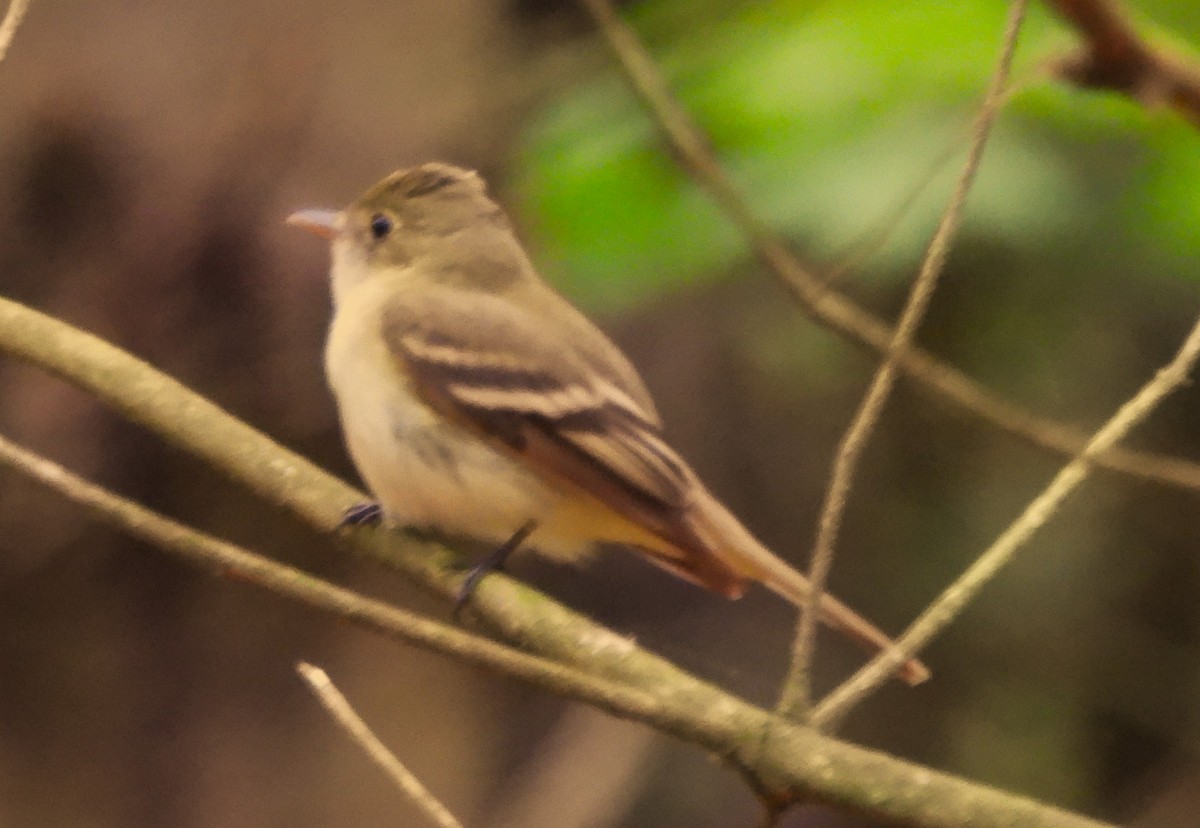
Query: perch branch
783	762
229	561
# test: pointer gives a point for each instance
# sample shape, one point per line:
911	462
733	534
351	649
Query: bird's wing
483	362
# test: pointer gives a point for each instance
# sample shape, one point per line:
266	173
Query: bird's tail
733	544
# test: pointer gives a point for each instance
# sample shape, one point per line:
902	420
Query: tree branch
950	603
782	762
833	309
797	689
10	23
348	720
1116	58
229	561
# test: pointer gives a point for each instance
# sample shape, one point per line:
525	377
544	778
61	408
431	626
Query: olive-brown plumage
475	400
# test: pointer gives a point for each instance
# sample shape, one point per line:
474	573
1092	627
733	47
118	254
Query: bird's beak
323	223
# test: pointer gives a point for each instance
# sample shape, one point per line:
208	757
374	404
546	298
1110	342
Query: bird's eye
381	225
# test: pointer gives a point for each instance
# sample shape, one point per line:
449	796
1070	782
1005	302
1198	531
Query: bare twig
950	603
339	708
832	309
797	689
791	764
8	26
877	237
1117	58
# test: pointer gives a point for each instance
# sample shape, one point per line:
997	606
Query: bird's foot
492	562
368	513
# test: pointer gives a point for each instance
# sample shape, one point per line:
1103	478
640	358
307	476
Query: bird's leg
367	513
492	562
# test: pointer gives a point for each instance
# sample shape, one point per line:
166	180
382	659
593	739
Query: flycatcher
476	401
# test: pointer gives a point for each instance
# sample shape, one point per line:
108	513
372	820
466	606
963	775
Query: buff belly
428	472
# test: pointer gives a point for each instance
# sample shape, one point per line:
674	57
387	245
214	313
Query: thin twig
8	26
833	309
796	764
950	603
336	704
796	698
876	238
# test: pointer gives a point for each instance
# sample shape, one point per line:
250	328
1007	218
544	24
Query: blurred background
148	154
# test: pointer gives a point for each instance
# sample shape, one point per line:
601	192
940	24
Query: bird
476	401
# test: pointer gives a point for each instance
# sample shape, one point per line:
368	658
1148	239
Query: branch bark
1115	57
348	720
784	763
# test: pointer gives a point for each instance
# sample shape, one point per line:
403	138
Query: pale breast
424	470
